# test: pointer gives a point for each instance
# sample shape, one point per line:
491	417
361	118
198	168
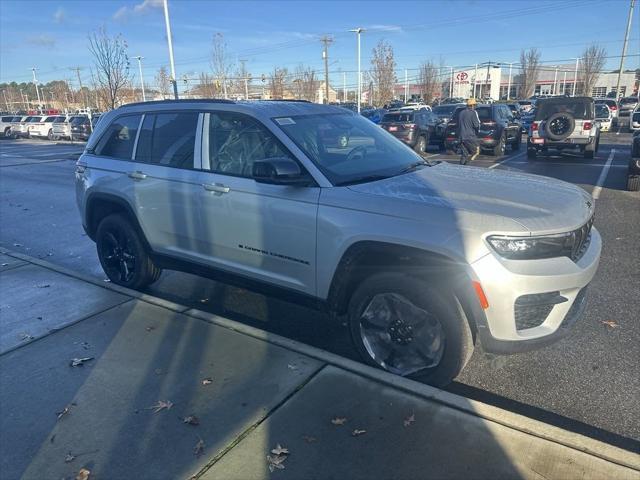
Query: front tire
123	255
50	134
408	327
499	149
421	145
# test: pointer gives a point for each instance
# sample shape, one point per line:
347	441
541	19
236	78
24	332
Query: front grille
582	238
533	309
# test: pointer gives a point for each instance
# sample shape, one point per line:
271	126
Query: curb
502	417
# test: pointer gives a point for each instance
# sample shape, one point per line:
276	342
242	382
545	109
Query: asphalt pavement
588	383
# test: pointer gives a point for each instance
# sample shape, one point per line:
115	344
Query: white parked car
604	117
5	125
19	126
416	105
634	120
62	127
43	128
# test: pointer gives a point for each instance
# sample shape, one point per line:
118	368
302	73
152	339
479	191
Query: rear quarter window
119	138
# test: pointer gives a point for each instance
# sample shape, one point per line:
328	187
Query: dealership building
496	81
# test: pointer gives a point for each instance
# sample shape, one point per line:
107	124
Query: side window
119	138
168	139
236	141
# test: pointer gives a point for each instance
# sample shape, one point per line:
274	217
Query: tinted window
119	138
398	117
484	113
49	119
59	120
80	120
236	141
34	119
7	119
168	139
602	111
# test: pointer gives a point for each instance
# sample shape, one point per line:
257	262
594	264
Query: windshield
34	119
602	111
348	148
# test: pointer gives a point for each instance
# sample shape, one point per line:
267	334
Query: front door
261	231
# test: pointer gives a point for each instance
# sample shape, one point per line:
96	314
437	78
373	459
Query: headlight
527	248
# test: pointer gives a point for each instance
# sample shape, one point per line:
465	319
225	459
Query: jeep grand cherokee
319	205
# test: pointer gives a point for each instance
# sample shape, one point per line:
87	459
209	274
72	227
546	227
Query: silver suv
321	206
564	123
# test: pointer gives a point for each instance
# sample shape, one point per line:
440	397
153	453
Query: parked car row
51	127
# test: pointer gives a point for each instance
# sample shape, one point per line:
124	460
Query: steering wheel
360	149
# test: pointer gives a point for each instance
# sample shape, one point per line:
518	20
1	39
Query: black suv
414	127
81	127
498	127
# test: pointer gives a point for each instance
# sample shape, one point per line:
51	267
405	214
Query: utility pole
170	42
344	87
82	93
451	84
326	41
139	58
246	79
624	47
406	85
35	82
358	31
575	78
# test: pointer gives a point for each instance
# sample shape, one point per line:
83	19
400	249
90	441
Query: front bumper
505	281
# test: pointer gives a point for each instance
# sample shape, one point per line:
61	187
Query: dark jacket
468	124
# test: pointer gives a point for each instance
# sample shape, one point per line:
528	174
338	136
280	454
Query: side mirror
278	171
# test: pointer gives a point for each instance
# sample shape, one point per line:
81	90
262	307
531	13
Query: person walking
468	126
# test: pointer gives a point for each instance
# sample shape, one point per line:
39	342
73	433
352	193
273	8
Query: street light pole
35	82
406	85
358	31
170	42
139	58
575	78
451	84
624	48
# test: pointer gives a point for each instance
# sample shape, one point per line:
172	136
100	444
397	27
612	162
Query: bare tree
305	83
429	80
221	62
163	82
111	65
529	70
593	59
277	82
207	86
383	66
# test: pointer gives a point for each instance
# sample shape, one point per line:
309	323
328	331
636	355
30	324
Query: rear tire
421	145
443	313
123	255
50	134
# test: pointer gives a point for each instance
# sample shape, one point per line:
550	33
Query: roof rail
181	100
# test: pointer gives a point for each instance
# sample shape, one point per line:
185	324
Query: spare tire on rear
559	126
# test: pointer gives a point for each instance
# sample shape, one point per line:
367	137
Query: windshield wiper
414	166
369	178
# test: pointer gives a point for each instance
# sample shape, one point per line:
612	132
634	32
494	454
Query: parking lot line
603	175
508	159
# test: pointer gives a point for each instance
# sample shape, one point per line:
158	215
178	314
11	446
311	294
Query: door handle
137	175
216	187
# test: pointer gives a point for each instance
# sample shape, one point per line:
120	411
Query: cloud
59	16
385	28
42	40
141	8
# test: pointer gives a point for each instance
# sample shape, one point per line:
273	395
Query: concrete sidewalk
227	394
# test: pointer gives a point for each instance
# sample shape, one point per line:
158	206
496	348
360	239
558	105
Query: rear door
163	181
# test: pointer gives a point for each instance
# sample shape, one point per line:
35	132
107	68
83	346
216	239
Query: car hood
541	205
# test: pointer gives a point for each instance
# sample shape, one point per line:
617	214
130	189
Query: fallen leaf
199	448
291	367
207	381
204	300
150	327
339	420
26	336
357	433
279	450
309	439
191	420
17	245
53	438
161	405
69	458
409	420
83	474
5	264
78	362
610	323
106	280
85	345
43	285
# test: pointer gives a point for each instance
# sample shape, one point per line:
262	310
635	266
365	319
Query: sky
52	35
